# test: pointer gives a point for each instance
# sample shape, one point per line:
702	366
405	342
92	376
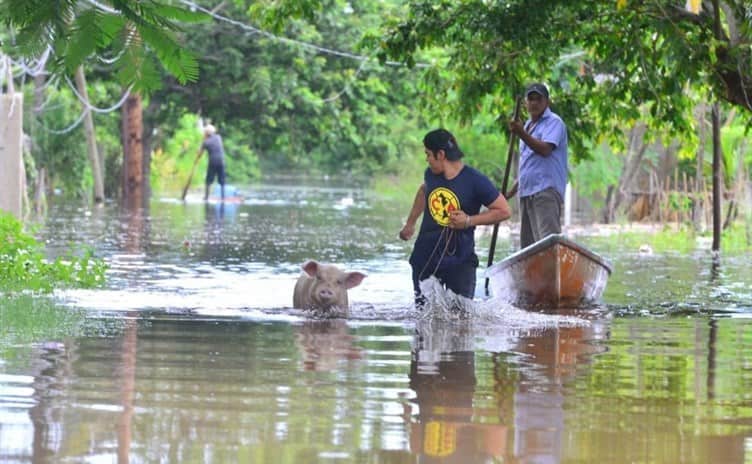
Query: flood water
192	352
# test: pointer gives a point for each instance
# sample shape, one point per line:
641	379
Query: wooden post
686	193
91	140
133	175
707	204
666	196
716	118
716	178
674	190
11	148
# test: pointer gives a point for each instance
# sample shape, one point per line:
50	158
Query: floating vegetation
24	266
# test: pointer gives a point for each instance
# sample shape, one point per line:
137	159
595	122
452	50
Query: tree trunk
716	178
133	161
716	147
91	141
697	211
635	153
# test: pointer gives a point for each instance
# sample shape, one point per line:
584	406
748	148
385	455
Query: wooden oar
190	177
504	185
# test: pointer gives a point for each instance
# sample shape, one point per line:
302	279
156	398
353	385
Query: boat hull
554	272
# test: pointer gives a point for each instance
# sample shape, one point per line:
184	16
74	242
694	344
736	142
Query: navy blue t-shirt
468	191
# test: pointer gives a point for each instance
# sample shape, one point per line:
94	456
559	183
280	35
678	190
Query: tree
135	31
630	56
302	97
638	59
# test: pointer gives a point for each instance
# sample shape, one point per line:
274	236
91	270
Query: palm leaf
183	15
178	61
85	34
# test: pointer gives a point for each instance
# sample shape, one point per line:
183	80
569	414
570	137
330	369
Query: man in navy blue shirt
543	167
450	200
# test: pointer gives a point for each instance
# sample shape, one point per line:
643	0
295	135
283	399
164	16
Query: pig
323	287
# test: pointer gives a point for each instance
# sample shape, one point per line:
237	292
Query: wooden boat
552	273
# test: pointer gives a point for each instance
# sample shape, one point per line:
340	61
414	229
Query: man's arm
497	211
419	204
539	146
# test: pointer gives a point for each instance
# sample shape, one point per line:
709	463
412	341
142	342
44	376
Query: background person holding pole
543	167
213	145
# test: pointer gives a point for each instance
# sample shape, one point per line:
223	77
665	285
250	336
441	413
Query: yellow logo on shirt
441	202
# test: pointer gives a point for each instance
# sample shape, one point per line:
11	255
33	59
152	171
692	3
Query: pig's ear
310	268
353	279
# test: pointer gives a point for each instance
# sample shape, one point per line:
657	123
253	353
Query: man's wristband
467	222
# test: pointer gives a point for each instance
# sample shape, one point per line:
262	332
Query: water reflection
127	392
193	354
324	344
443	429
510	406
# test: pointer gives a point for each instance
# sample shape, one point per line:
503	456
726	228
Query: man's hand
517	127
407	231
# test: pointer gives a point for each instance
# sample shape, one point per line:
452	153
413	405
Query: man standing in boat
450	200
543	167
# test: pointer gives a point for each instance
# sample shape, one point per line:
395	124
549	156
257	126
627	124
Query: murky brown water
193	354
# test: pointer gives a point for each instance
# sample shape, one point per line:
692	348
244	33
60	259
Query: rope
314	47
448	234
93	108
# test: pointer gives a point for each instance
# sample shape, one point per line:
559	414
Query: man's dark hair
442	139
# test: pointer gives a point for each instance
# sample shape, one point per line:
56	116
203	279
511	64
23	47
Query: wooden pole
190	178
716	116
686	193
91	140
716	178
504	185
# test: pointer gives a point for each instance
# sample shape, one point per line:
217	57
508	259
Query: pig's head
330	284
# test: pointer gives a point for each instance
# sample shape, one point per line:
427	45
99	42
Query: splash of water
444	305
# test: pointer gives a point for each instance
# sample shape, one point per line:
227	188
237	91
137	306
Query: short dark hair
442	139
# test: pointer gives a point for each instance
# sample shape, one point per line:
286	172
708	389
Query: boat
552	273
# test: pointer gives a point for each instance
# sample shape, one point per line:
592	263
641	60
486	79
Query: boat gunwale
543	244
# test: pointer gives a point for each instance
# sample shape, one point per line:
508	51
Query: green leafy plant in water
24	267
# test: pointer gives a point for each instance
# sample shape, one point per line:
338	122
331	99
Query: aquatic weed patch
24	266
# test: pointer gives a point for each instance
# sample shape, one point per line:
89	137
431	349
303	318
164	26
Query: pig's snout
326	294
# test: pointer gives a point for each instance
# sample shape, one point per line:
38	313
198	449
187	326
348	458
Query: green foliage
241	162
606	65
58	144
736	151
685	240
297	109
172	162
135	31
592	177
60	151
738	236
24	267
